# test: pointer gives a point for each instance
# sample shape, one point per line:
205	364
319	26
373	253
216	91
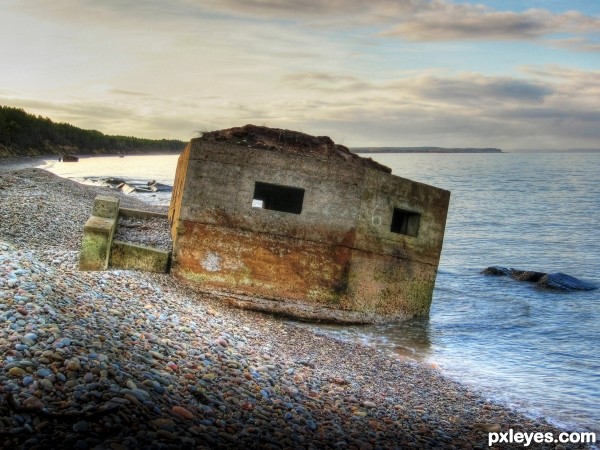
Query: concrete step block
128	256
106	206
140	214
97	238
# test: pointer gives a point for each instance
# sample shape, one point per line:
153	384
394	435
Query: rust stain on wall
178	185
260	264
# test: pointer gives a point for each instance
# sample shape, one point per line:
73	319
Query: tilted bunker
289	223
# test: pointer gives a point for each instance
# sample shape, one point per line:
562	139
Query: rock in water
496	271
557	281
526	275
519	275
563	282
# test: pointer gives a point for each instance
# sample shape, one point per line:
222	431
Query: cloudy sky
514	74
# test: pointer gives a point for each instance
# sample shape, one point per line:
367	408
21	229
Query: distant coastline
24	134
423	150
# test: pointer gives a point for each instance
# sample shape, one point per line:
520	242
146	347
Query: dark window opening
405	222
278	198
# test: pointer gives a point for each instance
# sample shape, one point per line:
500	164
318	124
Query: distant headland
423	150
24	134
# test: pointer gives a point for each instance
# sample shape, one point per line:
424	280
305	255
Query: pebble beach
127	360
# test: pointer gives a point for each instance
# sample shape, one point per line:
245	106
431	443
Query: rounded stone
73	365
182	412
17	372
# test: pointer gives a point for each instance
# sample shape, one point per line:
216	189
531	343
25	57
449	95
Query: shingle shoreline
123	359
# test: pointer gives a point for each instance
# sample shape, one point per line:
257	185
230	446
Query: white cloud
452	21
169	69
579	44
552	107
549	107
413	20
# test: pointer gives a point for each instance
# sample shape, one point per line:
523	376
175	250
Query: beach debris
557	281
127	188
153	186
114	182
130	186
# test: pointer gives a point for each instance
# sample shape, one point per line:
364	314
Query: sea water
533	349
136	169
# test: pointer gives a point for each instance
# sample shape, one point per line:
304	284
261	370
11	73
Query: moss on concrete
125	255
96	242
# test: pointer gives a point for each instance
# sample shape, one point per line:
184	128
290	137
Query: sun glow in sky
510	74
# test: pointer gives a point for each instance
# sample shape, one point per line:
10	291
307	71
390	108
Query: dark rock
114	181
526	275
557	281
563	282
496	271
519	275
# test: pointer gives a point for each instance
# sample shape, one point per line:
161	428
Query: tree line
23	134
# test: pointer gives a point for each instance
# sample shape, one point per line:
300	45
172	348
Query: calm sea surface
532	349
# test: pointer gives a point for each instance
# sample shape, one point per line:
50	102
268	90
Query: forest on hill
24	134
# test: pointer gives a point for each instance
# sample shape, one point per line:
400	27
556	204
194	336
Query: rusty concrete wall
394	274
383	286
223	242
259	264
220	185
381	194
178	187
338	253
